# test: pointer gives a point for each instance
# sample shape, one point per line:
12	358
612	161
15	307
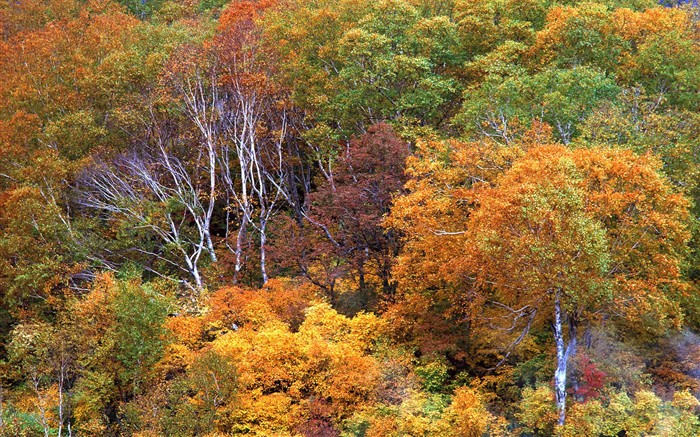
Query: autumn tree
503	181
651	46
43	354
343	218
74	73
566	235
254	172
116	351
365	62
432	312
485	25
270	359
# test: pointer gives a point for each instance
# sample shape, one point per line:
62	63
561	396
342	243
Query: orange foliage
279	299
239	12
636	26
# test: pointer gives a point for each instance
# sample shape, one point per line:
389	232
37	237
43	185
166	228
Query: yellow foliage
647	414
584	419
637	26
685	401
467	416
177	357
270	415
323	371
421	414
537	411
325	323
646	411
267	359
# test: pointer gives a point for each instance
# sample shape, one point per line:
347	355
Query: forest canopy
349	218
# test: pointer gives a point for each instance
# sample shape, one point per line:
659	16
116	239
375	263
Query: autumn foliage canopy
349	218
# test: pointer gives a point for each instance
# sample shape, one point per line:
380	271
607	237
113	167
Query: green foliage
646	414
142	8
117	353
503	108
536	411
139	335
194	399
369	62
433	376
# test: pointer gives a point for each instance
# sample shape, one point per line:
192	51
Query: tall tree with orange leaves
560	236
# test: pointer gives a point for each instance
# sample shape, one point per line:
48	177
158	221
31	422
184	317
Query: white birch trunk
560	373
563	354
263	242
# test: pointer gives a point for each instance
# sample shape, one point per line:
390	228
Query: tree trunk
61	380
194	272
210	244
40	403
361	274
240	238
563	354
2	406
263	242
560	373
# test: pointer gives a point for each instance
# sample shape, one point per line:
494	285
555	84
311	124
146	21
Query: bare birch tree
157	194
252	158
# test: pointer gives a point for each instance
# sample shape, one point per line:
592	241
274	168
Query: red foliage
351	205
591	381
